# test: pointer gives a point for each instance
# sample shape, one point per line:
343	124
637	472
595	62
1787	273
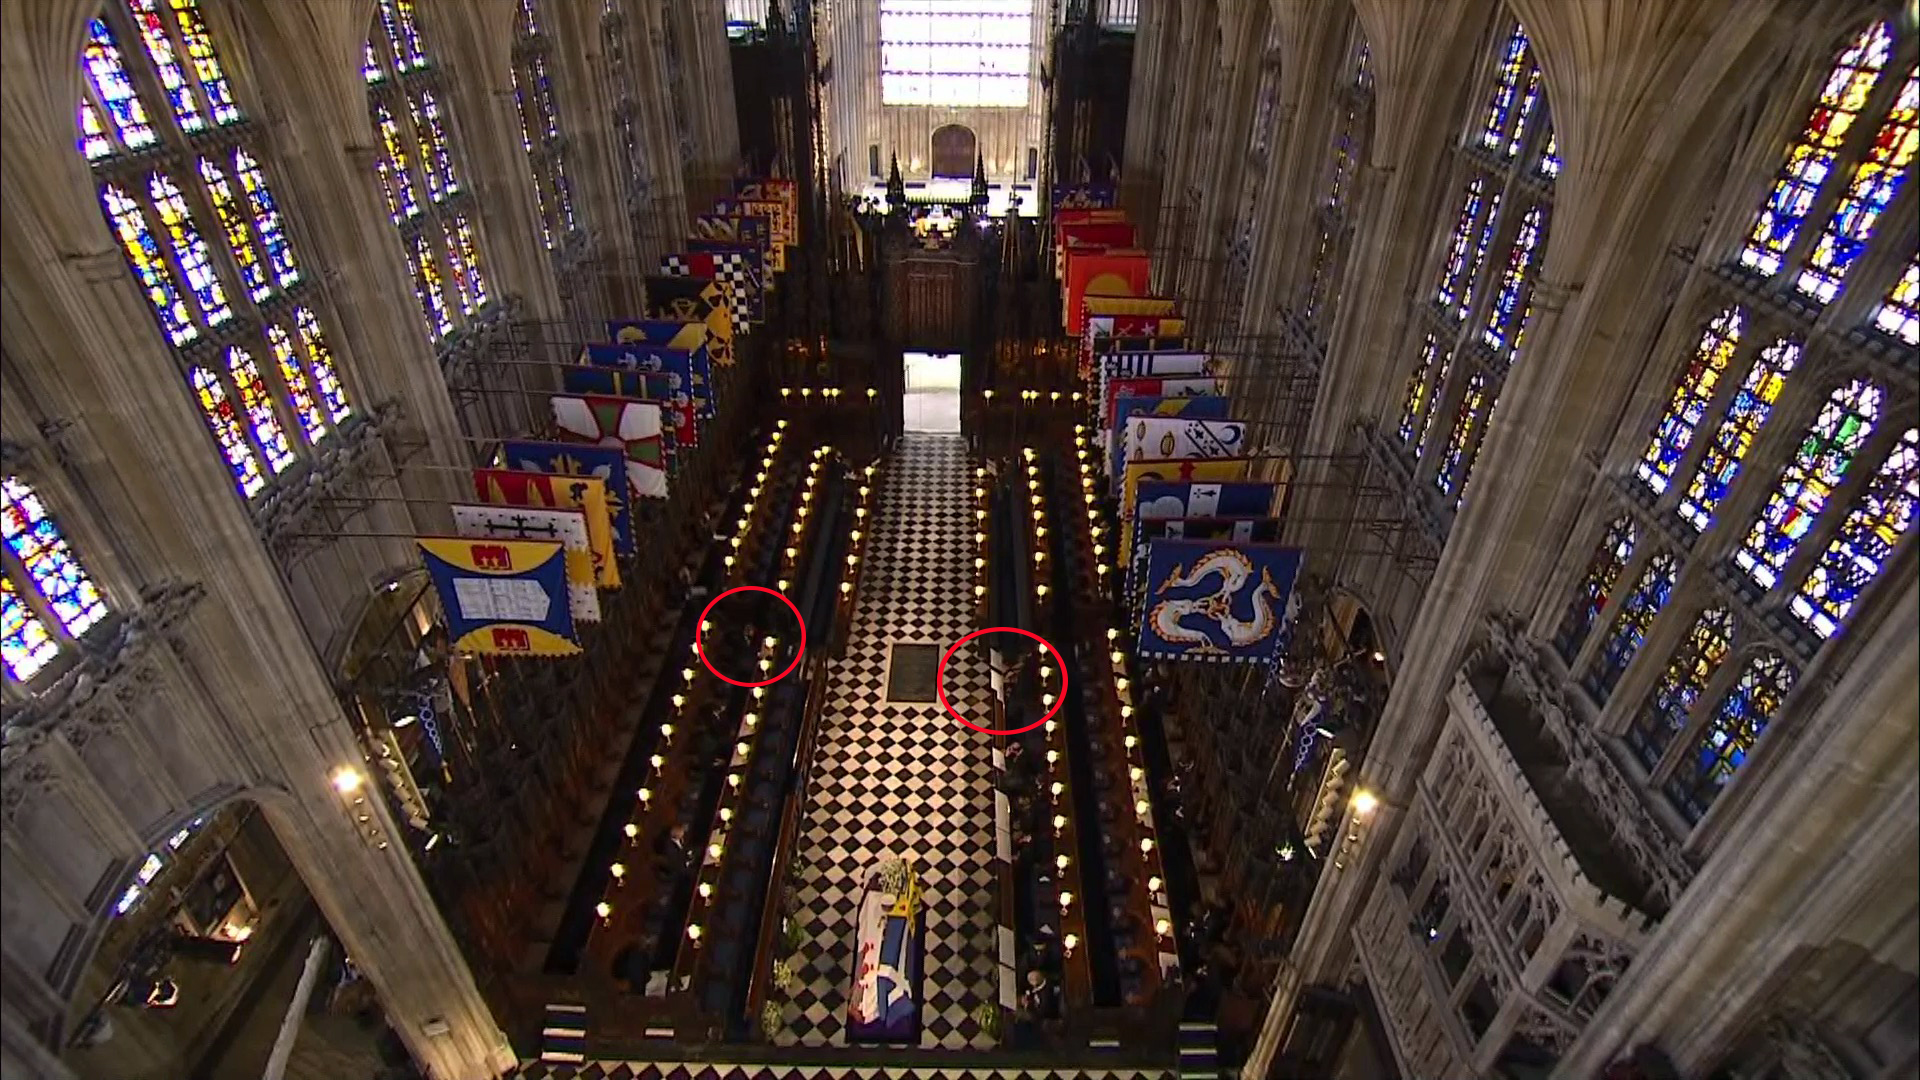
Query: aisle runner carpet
904	779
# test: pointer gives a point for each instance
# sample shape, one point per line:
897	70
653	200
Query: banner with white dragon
1216	602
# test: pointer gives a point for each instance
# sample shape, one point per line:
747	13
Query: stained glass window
50	564
173	255
101	57
442	248
1691	397
427	286
1549	163
1450	477
394	175
1665	714
1751	406
160	47
1420	387
1452	291
189	250
226	430
1811	156
1899	314
1875	181
1479	257
1516	63
234	224
1737	723
206	63
1434	393
540	128
437	166
1817	468
370	66
1603	573
1519	263
266	218
313	423
320	361
130	224
1629	629
964	54
259	408
25	645
1529	101
1874	525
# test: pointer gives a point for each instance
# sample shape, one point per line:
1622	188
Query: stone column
259	685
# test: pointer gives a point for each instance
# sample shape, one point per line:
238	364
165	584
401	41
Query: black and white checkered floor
644	1070
904	779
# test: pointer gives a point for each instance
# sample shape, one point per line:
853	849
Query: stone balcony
1617	857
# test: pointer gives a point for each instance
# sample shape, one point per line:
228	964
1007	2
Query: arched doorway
211	953
953	151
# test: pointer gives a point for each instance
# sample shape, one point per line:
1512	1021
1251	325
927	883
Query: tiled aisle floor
904	780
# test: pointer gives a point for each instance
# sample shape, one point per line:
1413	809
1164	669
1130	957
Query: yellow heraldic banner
587	494
569	527
502	597
1206	471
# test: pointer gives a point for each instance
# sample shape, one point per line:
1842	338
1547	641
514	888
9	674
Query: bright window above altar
956	53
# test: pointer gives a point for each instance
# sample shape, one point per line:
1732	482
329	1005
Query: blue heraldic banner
609	463
1182	499
1199	408
1216	602
677	336
689	378
1261	530
502	597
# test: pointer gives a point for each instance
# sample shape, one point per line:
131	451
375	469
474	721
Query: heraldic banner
607	463
505	487
626	424
502	597
1176	438
568	527
1125	408
1216	602
1139	474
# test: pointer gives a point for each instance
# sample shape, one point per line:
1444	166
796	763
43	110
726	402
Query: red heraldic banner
1108	272
587	494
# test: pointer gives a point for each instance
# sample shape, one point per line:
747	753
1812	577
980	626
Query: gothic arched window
1751	406
1354	102
1819	511
1691	398
1841	171
1475	319
1879	519
628	118
54	602
1831	443
1737	722
1898	316
418	178
185	193
540	133
1686	678
1629	630
1603	573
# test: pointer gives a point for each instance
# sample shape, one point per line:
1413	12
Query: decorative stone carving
1641	839
116	669
1803	1054
338	466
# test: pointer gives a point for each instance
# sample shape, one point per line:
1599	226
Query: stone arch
80	953
952	150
